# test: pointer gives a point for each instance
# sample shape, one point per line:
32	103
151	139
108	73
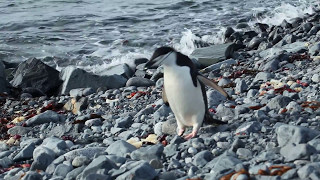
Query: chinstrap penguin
184	89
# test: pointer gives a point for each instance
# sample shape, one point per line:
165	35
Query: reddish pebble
10	126
17	136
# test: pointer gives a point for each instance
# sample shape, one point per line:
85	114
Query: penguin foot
191	135
181	131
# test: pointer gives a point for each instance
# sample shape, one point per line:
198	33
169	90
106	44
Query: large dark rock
78	78
34	73
3	80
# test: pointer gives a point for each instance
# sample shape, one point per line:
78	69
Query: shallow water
92	32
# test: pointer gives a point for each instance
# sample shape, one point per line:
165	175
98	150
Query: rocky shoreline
113	124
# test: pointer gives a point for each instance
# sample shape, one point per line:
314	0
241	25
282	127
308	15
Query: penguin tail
208	119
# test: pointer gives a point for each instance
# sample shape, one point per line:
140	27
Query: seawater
95	34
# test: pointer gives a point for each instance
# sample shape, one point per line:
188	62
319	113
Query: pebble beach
74	124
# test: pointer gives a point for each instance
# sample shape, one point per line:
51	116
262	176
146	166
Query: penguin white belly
186	100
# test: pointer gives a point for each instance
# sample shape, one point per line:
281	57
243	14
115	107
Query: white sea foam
285	12
114	56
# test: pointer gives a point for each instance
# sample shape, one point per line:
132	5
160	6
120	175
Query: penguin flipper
210	83
164	97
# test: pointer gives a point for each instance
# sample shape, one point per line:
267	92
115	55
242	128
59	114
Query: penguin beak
154	63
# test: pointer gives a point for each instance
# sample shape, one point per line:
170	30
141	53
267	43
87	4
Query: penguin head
163	55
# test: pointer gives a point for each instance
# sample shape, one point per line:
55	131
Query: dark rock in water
250	34
236	36
120	69
78	78
314	18
276	39
255	42
261	27
3	80
140	82
138	170
46	117
34	73
140	61
296	22
228	32
213	54
242	26
314	30
285	24
306	27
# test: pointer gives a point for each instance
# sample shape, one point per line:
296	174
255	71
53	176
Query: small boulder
46	117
